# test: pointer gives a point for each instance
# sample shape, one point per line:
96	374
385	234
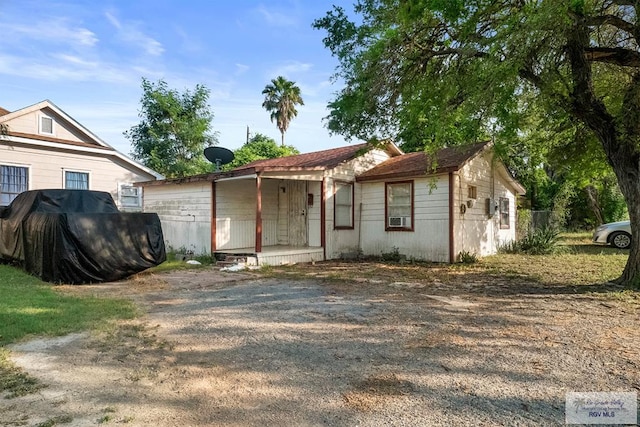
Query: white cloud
58	30
289	69
130	33
188	43
67	68
241	69
75	60
276	19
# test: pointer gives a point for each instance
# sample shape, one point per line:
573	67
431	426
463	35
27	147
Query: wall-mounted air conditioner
398	221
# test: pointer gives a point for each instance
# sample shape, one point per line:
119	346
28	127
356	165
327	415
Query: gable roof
448	159
314	161
317	160
93	145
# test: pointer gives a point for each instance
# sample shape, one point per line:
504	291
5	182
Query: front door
297	212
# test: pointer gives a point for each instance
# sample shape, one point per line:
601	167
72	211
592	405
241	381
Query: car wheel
620	239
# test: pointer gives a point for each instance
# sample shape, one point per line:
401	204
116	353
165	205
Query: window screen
13	181
76	180
343	207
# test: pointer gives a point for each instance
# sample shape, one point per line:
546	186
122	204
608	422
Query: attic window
46	125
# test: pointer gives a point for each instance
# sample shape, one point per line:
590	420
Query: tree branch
613	55
625	2
616	21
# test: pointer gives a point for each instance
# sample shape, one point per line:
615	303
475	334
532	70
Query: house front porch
273	255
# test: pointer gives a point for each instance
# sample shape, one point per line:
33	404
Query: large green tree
260	147
444	71
280	99
174	129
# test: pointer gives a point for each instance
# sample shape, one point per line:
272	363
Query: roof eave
407	174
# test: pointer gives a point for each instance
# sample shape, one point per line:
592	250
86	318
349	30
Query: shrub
393	256
466	257
537	242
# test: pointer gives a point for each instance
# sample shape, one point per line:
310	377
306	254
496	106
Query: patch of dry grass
13	380
376	390
579	267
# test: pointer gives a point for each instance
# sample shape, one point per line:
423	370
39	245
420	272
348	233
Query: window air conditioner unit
398	221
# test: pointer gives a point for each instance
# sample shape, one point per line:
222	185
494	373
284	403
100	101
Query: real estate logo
601	408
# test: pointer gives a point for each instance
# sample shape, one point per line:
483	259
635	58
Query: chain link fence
529	220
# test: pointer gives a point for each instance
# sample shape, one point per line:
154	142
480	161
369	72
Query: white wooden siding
46	167
474	230
283	213
270	212
30	124
339	242
430	239
185	214
236	213
314	214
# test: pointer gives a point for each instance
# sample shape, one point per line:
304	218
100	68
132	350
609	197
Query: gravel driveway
235	350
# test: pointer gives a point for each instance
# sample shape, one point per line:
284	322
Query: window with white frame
46	125
130	196
399	206
13	181
74	180
343	205
504	212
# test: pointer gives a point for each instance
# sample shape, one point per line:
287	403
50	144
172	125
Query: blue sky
88	58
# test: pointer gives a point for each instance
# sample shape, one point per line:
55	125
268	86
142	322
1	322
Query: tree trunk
594	204
618	135
631	274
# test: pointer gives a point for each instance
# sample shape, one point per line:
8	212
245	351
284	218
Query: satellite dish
218	156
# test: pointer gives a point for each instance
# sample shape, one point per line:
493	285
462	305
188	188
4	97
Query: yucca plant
541	241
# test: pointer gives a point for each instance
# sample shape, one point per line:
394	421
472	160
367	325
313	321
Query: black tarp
78	236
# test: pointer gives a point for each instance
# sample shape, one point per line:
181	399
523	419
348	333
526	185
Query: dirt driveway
219	349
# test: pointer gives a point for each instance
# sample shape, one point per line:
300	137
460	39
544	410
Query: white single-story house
43	147
343	201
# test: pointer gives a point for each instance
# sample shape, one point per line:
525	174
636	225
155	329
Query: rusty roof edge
208	177
407	174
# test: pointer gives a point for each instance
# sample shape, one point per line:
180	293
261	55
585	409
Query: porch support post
258	214
452	257
213	217
323	218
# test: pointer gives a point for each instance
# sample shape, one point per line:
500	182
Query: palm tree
280	99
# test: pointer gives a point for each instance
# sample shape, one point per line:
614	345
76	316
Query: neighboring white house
46	148
347	200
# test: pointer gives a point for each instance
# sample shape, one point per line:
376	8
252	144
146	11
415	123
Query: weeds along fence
528	220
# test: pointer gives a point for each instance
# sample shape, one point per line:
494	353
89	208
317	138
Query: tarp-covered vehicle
78	236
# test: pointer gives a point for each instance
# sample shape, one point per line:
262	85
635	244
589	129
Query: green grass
31	307
172	263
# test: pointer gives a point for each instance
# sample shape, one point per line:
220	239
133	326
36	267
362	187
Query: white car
616	234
